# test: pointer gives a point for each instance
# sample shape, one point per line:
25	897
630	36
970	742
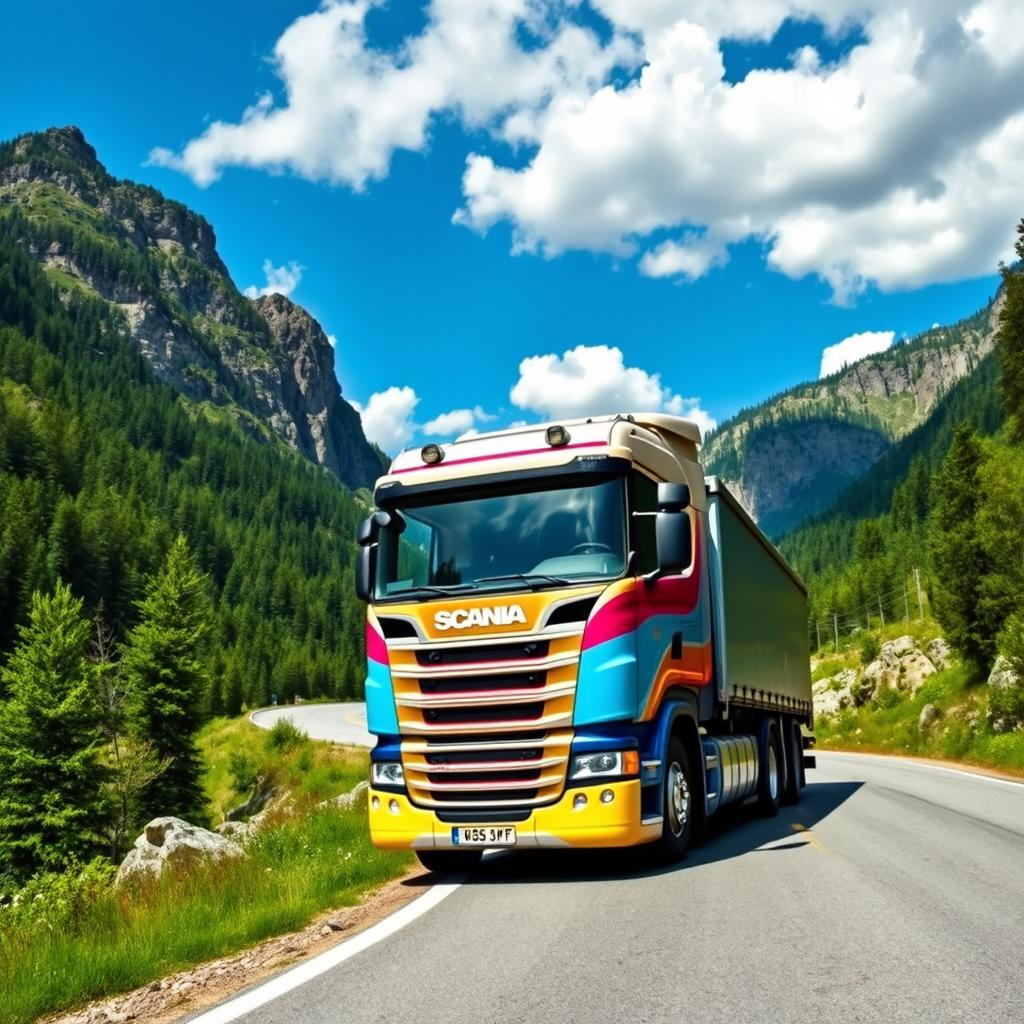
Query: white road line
302	973
910	762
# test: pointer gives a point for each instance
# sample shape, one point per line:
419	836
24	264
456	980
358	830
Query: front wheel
449	862
677	802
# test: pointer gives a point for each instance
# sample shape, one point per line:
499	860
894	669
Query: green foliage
1010	343
284	735
1011	642
51	802
244	772
869	647
959	561
54	902
164	663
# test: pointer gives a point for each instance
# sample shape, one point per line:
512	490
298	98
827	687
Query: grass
118	939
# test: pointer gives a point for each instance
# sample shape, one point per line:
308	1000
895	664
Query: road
893	893
339	723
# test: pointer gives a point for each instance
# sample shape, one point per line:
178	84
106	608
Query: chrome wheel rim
678	793
773	772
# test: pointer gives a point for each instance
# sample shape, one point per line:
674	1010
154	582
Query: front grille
486	726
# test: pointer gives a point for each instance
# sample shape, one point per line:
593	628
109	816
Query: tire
449	862
677	796
770	770
794	761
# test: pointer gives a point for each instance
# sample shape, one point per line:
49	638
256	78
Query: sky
508	210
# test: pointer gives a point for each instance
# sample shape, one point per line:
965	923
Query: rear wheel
769	783
677	802
794	761
449	862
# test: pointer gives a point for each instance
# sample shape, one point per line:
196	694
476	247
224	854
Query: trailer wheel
677	802
770	770
449	862
794	761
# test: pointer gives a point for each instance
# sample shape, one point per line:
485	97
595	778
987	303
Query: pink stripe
503	455
376	649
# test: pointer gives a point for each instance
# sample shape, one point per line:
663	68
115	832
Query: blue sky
751	291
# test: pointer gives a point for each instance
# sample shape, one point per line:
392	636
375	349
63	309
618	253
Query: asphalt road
894	892
339	723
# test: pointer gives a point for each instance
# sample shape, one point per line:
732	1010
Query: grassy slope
889	724
64	955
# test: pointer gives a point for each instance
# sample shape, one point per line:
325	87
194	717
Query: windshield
550	536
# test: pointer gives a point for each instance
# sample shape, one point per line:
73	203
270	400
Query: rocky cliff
265	363
789	457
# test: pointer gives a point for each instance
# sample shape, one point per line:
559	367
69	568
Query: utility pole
906	602
880	612
917	581
835	627
817	633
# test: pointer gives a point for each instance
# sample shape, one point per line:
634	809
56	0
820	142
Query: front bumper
558	825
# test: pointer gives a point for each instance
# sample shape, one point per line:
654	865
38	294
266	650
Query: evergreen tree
959	561
165	666
51	804
1010	343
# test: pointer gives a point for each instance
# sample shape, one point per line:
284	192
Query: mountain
266	364
791	456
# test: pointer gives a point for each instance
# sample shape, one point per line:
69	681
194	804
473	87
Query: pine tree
1010	343
959	562
165	666
51	804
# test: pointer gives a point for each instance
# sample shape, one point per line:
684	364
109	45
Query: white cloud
388	417
280	280
458	421
332	340
856	346
594	380
897	165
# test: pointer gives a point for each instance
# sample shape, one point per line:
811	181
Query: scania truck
574	639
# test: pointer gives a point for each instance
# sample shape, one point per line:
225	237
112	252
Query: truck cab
573	640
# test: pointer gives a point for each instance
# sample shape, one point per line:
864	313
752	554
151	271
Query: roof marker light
556	436
431	454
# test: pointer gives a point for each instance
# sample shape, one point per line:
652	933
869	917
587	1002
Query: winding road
893	893
339	723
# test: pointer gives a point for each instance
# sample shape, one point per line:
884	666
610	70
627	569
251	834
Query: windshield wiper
412	592
529	578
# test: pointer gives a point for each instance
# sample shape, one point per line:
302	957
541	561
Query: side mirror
366	561
672	528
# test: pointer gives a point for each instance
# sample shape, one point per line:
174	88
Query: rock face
940	653
173	841
266	361
900	666
791	456
1002	676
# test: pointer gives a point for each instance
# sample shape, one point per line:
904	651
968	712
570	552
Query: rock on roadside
173	841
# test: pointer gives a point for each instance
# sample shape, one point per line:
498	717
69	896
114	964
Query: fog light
393	807
375	803
431	454
607	796
580	800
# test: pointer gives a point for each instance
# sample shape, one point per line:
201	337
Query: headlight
606	763
387	773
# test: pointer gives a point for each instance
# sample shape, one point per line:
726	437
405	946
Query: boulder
930	714
236	831
173	841
262	793
940	653
915	668
347	800
1002	674
900	665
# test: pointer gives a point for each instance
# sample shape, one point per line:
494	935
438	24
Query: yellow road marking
812	839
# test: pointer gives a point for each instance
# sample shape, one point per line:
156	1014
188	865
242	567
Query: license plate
484	835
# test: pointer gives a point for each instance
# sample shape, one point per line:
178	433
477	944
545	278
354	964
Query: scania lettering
574	639
463	618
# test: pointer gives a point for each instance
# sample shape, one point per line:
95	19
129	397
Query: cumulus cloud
388	417
856	346
594	380
896	165
458	421
280	280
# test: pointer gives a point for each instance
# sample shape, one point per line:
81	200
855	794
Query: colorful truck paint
644	664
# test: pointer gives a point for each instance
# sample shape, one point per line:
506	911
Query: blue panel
606	690
381	716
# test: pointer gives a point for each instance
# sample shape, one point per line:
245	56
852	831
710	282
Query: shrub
887	697
244	772
57	901
869	648
1011	642
1006	704
284	735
